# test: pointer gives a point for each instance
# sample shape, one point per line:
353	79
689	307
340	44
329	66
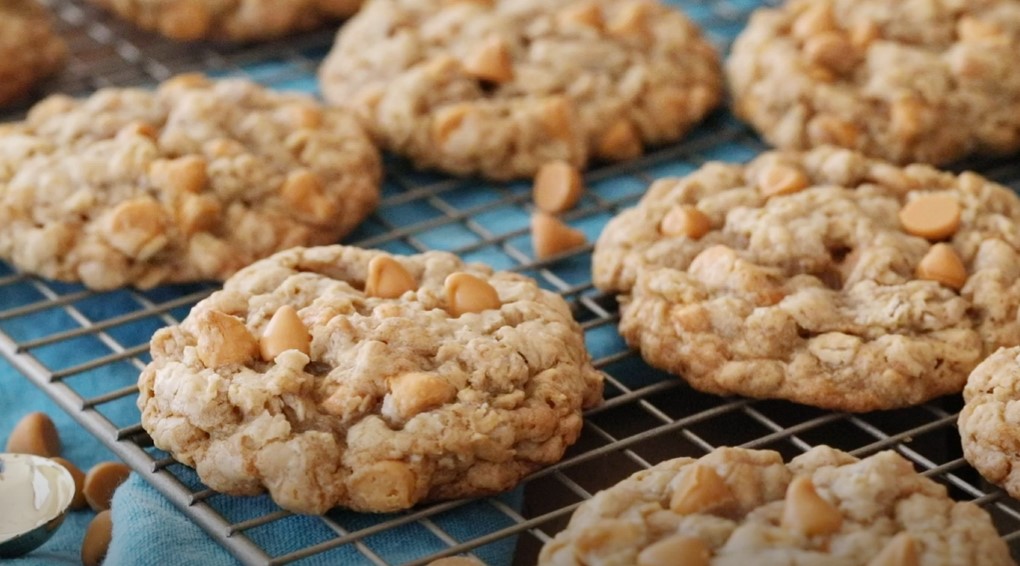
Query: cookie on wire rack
734	507
904	81
499	87
30	49
987	423
337	376
826	278
189	182
237	20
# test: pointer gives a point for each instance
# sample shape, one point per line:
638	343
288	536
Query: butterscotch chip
35	434
456	561
882	512
942	264
901	550
78	476
806	512
790	296
240	21
421	401
466	293
619	142
388	279
501	89
685	220
666	552
558	187
700	490
30	50
285	331
806	74
491	62
227	342
550	236
101	481
934	217
98	535
225	179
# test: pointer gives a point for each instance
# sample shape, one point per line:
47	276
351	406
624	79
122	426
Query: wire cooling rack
85	349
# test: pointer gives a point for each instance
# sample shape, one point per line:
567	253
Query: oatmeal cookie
920	81
826	278
237	20
734	507
499	87
988	429
29	48
340	376
192	181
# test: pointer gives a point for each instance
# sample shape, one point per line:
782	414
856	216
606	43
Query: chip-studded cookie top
237	20
987	423
909	81
29	48
192	181
735	507
825	277
499	87
340	376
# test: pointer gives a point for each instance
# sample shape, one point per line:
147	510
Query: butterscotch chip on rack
239	20
459	385
848	283
30	50
890	79
558	187
823	507
191	181
551	236
500	88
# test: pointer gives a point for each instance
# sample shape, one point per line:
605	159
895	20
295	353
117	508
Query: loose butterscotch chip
557	187
901	550
387	278
685	220
944	265
677	549
466	293
934	217
78	476
779	179
102	480
620	141
700	490
35	434
550	236
97	539
492	62
285	331
806	512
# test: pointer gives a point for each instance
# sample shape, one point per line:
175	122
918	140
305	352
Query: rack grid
85	349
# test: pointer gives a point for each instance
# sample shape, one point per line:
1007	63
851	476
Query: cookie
826	278
987	426
908	82
239	20
735	506
340	376
499	87
29	48
191	181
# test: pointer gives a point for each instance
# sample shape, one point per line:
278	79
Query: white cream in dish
33	492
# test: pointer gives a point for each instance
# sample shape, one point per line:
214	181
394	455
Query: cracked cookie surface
191	181
459	384
499	87
736	506
987	422
919	81
29	48
805	282
237	20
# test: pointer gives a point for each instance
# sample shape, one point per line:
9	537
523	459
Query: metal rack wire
85	349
